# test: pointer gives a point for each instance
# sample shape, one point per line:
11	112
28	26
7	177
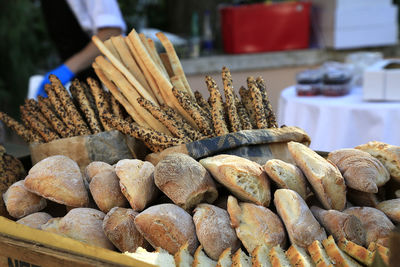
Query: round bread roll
35	220
136	180
52	225
167	226
391	208
214	230
119	227
20	202
106	192
59	179
96	167
185	181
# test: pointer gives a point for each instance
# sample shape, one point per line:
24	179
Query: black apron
66	33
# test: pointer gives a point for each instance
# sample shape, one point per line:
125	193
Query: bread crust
35	220
391	208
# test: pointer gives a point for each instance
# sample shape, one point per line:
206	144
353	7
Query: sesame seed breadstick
57	123
19	129
46	133
193	109
33	107
101	103
230	100
116	107
267	104
217	109
243	115
165	119
257	102
84	105
92	102
202	102
246	100
155	148
35	135
69	106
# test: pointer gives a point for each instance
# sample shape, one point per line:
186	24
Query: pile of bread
210	212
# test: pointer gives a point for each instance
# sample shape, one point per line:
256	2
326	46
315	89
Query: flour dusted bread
136	179
301	225
20	202
391	208
167	226
389	155
35	220
214	230
287	175
185	181
119	227
360	170
255	225
106	192
324	177
59	179
341	225
96	167
376	224
244	178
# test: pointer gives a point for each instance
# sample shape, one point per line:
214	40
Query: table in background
340	122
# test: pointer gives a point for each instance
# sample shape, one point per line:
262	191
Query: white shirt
95	14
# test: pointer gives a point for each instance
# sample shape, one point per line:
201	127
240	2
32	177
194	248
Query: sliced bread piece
159	258
382	250
298	257
225	259
183	257
202	260
278	258
319	255
240	259
358	252
340	258
260	257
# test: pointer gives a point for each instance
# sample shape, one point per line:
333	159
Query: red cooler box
265	27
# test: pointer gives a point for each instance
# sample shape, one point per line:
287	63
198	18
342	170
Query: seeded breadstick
57	124
19	128
34	134
193	110
189	130
156	148
69	106
246	100
149	136
45	132
202	102
230	100
84	105
217	109
267	105
33	107
257	102
116	107
165	119
101	103
243	115
90	98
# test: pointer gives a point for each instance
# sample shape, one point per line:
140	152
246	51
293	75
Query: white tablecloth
340	122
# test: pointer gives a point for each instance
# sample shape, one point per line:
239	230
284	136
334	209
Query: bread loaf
52	225
278	257
255	225
20	202
225	259
214	230
244	178
260	257
59	179
35	220
341	225
301	225
376	224
167	226
96	167
136	179
201	259
360	170
119	227
324	177
391	208
185	181
183	258
389	155
287	175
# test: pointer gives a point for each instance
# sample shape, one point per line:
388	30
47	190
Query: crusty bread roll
255	225
301	225
339	257
298	256
106	192
341	225
225	259
324	177
214	230
201	259
260	257
136	179
376	224
52	225
287	175
185	181
59	179
389	155
362	199
391	208
182	257
119	227
167	226
278	257
244	178
319	255
240	259
360	170
20	202
96	167
35	220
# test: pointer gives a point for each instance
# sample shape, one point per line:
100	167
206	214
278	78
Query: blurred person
71	24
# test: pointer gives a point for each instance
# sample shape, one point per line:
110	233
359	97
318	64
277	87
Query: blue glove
63	73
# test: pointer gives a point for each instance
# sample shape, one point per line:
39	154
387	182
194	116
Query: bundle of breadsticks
153	89
64	114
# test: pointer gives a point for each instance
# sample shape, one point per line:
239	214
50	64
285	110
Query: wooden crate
23	246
